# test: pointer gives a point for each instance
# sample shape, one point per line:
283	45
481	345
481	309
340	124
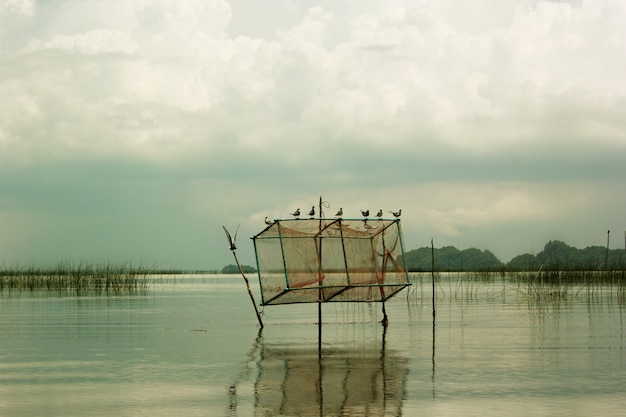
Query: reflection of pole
432	375
247	367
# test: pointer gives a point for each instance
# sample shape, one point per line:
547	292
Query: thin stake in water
233	248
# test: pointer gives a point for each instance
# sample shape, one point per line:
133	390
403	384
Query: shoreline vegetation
534	286
77	278
555	256
539	288
552	271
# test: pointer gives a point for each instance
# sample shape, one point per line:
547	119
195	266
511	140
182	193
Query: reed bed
76	278
561	285
542	285
460	286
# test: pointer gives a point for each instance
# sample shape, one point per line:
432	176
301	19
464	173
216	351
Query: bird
296	213
231	240
380	213
396	213
312	212
340	212
268	221
365	213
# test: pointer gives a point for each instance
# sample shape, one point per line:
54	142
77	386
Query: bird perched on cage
380	213
296	213
339	212
365	213
312	212
268	221
231	240
396	213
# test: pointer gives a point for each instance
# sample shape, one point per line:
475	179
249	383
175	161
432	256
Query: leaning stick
233	248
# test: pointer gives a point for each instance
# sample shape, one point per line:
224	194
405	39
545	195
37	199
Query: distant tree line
233	269
556	255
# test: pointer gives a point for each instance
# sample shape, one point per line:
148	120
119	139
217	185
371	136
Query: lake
191	346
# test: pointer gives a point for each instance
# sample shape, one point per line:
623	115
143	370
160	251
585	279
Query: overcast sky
132	130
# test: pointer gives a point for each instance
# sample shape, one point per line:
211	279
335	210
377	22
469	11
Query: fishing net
324	260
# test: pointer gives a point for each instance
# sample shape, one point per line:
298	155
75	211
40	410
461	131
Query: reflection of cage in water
356	382
323	260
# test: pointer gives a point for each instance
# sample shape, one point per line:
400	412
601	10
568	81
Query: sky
131	131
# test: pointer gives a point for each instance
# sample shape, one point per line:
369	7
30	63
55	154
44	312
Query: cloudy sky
132	130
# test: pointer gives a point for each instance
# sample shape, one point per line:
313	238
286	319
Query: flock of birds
339	214
232	245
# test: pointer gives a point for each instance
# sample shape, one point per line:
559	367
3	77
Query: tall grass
76	278
535	286
460	286
559	285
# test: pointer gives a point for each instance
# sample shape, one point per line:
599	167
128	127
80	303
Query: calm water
190	347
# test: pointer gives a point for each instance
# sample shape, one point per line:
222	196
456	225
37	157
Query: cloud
93	42
19	7
474	120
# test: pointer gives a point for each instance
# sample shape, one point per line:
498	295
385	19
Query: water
190	346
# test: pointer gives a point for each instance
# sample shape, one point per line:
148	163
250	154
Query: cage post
320	294
385	320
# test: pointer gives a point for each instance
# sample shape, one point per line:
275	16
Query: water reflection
286	380
190	347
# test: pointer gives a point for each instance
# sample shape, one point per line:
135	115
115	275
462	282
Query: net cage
330	260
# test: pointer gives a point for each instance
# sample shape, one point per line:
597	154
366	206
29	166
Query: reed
563	284
536	286
77	278
459	286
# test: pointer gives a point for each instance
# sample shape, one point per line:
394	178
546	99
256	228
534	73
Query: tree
557	255
232	269
449	258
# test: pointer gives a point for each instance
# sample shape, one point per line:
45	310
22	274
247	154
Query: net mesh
323	260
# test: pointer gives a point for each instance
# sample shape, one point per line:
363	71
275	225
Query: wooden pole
606	258
432	256
320	294
432	251
385	319
233	248
256	310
